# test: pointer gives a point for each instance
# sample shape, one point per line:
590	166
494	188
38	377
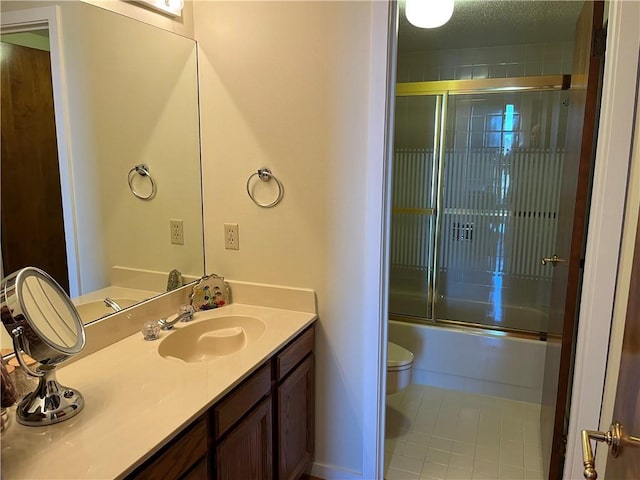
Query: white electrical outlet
231	237
177	232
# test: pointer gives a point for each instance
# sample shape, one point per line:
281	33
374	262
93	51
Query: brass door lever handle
615	438
552	260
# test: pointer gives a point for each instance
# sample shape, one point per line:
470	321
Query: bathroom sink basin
92	310
210	339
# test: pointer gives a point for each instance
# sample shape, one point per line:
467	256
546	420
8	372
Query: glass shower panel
413	204
502	168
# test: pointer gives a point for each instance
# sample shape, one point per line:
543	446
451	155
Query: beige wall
286	85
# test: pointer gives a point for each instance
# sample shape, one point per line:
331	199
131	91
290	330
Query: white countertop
135	401
115	291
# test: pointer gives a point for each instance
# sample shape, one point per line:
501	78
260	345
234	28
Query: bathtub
473	361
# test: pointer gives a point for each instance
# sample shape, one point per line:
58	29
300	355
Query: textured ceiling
483	23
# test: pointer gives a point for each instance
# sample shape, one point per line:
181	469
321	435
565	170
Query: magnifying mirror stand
50	402
45	325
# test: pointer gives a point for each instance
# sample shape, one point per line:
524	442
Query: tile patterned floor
433	433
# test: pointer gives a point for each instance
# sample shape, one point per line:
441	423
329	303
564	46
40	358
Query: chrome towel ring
265	175
142	170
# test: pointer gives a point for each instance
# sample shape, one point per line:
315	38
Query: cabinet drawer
294	353
179	456
240	401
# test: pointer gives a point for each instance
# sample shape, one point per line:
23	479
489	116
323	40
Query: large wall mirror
87	95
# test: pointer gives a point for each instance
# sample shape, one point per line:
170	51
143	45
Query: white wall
287	85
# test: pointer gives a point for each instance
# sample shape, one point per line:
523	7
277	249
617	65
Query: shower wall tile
431	71
486	62
480	71
415	74
552	67
482	56
533	68
534	53
515	70
464	72
516	53
499	54
446	73
498	71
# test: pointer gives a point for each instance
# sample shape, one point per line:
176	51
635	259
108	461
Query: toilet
399	365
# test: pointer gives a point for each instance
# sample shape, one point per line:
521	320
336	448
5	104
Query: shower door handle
552	260
615	438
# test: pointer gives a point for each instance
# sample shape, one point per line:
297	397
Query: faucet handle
151	330
186	312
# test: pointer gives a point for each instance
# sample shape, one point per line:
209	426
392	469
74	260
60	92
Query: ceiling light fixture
428	13
170	7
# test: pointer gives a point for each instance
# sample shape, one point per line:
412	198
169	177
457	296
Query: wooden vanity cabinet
295	411
264	429
249	449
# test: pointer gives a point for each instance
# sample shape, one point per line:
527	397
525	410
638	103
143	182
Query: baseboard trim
332	472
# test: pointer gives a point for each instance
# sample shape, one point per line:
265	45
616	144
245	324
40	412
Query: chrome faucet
185	314
109	302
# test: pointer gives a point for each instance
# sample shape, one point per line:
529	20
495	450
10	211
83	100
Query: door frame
623	292
604	230
608	196
35	19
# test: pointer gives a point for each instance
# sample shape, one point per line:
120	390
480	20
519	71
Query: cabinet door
296	421
246	452
199	472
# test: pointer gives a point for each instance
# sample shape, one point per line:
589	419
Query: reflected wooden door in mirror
32	221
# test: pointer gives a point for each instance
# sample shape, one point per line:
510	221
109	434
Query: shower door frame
442	90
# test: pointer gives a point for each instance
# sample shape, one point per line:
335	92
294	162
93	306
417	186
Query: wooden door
584	97
296	413
246	452
32	221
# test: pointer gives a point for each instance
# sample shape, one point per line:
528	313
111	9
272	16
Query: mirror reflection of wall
129	97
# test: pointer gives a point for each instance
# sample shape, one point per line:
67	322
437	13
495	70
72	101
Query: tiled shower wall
486	62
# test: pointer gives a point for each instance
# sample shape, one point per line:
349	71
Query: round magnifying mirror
45	325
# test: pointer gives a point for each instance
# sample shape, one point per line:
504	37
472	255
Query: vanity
265	423
249	414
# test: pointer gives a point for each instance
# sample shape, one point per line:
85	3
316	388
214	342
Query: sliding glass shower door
417	142
474	207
